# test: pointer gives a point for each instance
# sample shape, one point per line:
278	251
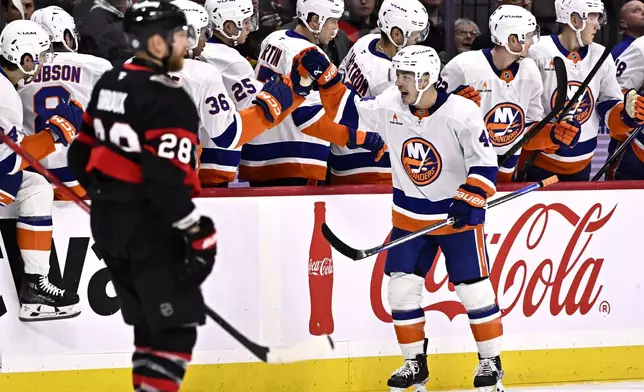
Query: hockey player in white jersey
509	84
296	151
630	76
230	24
366	68
436	175
567	148
24	48
221	125
70	75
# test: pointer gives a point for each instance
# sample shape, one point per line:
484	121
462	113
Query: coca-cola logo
321	267
579	271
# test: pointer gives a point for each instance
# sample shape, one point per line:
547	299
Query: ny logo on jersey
583	108
421	161
505	122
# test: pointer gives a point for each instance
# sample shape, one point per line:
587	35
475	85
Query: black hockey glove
201	241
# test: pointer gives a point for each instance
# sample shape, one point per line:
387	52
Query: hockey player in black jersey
136	157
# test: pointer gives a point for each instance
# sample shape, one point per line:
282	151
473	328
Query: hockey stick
618	152
611	19
318	346
560	103
359	254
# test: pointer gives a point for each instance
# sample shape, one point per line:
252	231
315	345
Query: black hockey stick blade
358	254
316	347
616	154
560	102
337	244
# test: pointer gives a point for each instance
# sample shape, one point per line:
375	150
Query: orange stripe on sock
480	248
33	240
487	331
410	333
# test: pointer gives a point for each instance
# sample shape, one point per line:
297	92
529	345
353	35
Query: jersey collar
376	52
142	65
295	34
441	98
507	74
576	55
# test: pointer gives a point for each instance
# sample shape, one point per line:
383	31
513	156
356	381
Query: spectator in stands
360	18
15	9
436	36
484	41
631	23
100	26
465	32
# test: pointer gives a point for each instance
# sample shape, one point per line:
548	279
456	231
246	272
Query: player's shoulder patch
166	80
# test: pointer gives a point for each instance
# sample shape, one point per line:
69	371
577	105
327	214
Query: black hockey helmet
149	17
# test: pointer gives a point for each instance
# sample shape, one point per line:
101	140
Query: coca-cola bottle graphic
320	277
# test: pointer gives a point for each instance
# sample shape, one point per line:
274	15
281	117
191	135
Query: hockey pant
467	265
141	253
34	197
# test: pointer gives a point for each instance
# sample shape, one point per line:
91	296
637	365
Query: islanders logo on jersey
505	122
583	108
421	161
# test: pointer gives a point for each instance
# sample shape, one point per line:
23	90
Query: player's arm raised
481	164
621	111
339	103
272	105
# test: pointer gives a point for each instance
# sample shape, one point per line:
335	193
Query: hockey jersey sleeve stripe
42	221
152	134
334	101
114	165
305	116
10	164
267	152
38	146
357	160
483	177
613	119
324	128
230	137
604	107
348	113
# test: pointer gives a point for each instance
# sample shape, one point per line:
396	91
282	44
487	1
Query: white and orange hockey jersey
69	76
630	75
602	99
510	98
287	150
367	71
218	116
11	119
429	166
236	72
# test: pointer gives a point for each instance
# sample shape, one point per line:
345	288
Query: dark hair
5	4
309	17
6	64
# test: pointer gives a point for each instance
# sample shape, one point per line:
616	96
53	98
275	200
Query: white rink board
584	244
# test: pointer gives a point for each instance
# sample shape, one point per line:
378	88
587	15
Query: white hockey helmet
324	9
510	20
196	15
236	11
419	60
564	10
22	38
58	23
409	16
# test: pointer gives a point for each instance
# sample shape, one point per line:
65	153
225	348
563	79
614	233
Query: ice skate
414	373
488	375
40	300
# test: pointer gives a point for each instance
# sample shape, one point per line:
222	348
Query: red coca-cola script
580	295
